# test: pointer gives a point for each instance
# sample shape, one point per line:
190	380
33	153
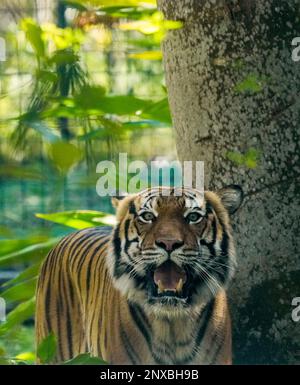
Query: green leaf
85	359
5	361
159	111
47	349
46	76
151	24
147	55
30	272
80	219
128	12
141	124
93	99
99	133
11	245
64	155
123	104
31	253
89	97
250	159
20	172
63	57
235	157
34	35
111	128
251	83
26	357
20	292
18	315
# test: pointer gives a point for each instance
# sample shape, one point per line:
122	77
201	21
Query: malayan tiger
149	291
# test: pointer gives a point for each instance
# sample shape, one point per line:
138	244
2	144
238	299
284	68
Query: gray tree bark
234	95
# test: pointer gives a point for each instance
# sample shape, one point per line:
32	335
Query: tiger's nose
169	244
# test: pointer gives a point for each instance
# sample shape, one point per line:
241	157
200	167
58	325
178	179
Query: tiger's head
172	254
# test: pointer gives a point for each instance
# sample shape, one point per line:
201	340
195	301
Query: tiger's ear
232	197
115	201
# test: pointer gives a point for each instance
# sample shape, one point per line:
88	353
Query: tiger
149	290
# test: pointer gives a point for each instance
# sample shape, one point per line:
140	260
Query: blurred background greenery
81	82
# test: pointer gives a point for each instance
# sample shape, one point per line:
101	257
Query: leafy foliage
30	253
249	159
34	36
61	89
69	111
80	219
47	349
64	155
252	83
18	315
85	359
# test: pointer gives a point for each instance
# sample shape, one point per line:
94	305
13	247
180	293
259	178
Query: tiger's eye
193	217
148	216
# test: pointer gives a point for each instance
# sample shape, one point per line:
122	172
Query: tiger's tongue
168	275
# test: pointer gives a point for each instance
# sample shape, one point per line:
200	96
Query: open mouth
169	280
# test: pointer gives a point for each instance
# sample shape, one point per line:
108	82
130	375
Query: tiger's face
172	254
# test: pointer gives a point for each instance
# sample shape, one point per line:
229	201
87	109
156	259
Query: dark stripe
58	334
47	308
83	252
214	229
61	305
52	260
136	228
117	248
70	289
68	322
221	344
69	333
127	241
211	245
127	345
208	209
88	273
207	313
224	244
132	209
77	243
224	257
84	259
141	322
44	290
97	280
204	317
83	242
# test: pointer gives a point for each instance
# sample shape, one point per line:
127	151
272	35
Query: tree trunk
233	92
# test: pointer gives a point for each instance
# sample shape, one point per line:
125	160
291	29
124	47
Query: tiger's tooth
179	285
160	287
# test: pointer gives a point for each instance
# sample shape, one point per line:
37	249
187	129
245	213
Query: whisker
212	279
219	264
